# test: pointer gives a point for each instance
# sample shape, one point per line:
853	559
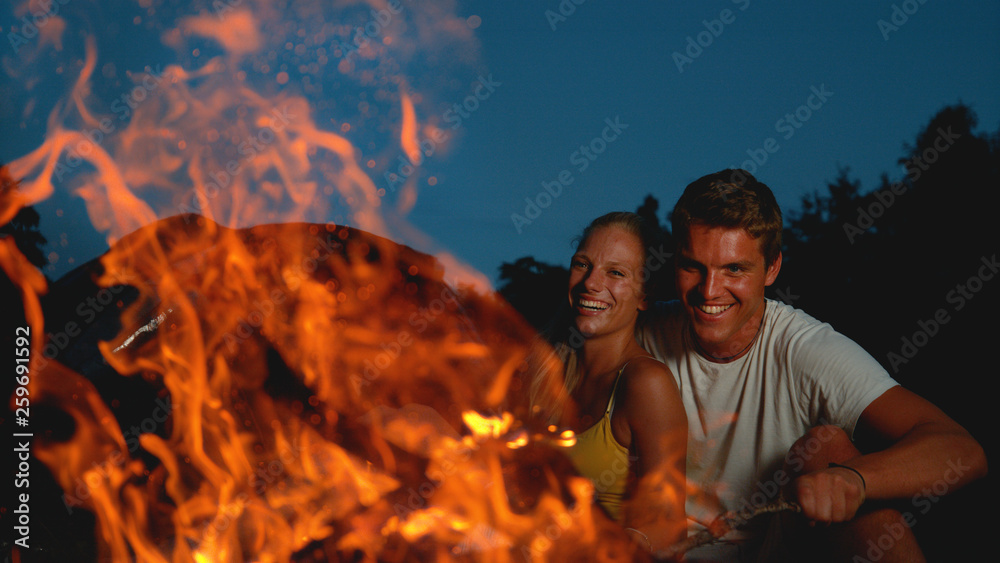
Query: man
773	396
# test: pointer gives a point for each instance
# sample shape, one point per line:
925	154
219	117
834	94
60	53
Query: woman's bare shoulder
647	378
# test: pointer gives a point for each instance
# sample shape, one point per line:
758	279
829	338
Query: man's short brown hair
730	199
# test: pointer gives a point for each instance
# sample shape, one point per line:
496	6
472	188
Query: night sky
552	112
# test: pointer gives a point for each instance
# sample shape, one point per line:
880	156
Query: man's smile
714	309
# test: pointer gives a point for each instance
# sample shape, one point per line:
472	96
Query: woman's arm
657	427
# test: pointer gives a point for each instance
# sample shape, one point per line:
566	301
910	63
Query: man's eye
578	264
735	268
618	273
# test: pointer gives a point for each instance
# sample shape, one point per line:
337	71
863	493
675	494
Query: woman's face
606	282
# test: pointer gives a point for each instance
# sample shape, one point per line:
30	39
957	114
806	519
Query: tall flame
328	394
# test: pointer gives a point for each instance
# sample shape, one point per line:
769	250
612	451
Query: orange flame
331	396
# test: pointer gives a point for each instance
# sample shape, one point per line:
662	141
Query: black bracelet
864	486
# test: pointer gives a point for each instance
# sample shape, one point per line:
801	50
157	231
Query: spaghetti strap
629	360
614	388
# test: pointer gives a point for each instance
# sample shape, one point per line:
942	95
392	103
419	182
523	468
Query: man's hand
830	495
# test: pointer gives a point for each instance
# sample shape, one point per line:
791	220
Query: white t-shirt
743	416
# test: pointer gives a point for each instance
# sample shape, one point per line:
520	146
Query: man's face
721	276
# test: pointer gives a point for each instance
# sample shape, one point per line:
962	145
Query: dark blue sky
610	60
616	99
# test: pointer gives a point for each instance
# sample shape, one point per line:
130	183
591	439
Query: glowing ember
486	427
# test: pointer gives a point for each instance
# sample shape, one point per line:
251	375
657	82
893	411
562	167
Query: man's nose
711	285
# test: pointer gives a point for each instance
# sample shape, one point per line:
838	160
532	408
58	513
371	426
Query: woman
623	405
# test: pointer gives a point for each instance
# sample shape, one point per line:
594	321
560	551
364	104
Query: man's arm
926	447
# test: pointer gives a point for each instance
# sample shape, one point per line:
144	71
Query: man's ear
772	270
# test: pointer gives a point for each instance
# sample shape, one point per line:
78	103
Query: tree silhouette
23	229
819	260
24	226
534	288
902	248
647	211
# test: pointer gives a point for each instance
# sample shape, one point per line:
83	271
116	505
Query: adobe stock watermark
581	160
795	459
545	539
100	473
563	11
455	116
250	323
220	8
898	17
258	481
373	28
260	310
885	198
416	499
87	311
656	258
786	296
697	44
922	503
958	298
419	321
248	150
482	537
787	125
123	106
33	25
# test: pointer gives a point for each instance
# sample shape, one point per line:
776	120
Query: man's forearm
929	455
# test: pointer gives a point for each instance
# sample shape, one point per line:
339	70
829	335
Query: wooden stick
724	524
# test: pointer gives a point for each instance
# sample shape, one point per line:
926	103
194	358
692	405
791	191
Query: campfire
256	370
358	408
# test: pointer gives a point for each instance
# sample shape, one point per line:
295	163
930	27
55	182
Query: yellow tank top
598	456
